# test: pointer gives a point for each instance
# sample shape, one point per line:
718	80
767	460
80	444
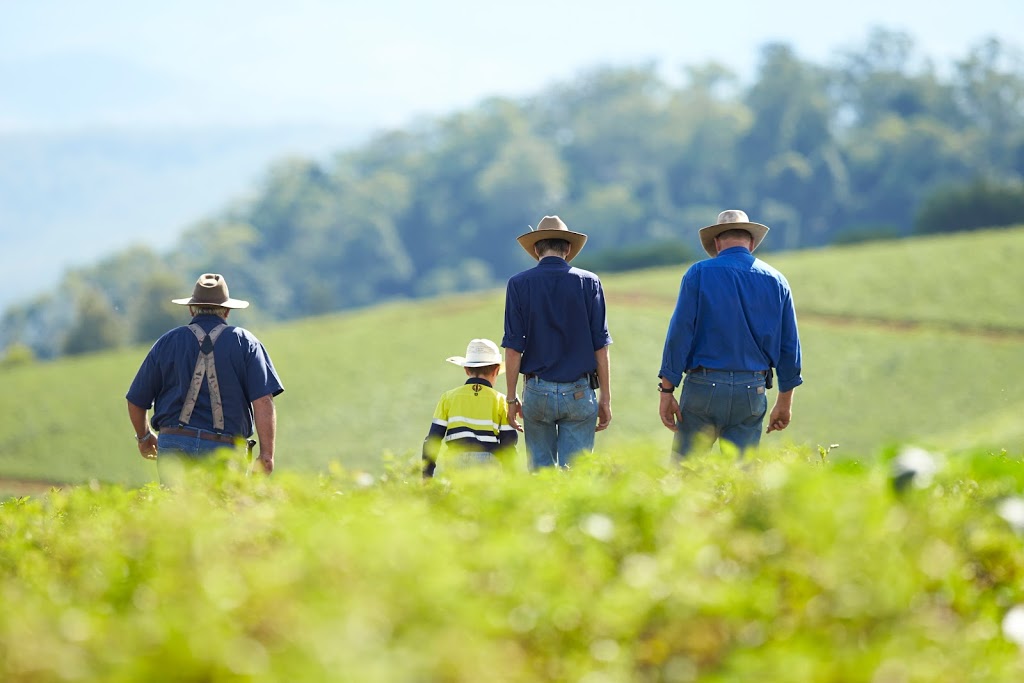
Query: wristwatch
663	390
140	439
514	400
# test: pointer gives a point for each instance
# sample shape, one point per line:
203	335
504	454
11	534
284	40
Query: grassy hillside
779	569
965	280
364	384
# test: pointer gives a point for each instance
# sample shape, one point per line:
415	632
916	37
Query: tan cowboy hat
730	220
211	290
479	353
552	227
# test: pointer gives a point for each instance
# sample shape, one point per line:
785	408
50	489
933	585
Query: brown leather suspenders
205	367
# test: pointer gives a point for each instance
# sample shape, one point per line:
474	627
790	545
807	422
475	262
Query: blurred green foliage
779	567
637	257
980	204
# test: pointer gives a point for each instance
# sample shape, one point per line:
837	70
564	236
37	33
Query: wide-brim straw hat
479	353
732	219
211	290
552	227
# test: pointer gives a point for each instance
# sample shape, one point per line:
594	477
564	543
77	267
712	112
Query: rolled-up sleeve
515	328
146	385
679	339
599	319
790	362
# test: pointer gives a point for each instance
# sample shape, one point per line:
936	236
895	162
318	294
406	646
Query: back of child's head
483	370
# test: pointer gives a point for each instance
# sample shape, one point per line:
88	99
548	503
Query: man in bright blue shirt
734	322
556	335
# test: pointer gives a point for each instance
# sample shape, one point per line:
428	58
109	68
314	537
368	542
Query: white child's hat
479	353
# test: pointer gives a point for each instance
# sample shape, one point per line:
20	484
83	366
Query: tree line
878	143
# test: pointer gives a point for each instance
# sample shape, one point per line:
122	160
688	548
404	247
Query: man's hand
780	418
782	412
515	409
147	447
266	459
668	408
604	414
265	415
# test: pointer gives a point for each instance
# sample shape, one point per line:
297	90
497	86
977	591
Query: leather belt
201	433
527	376
703	370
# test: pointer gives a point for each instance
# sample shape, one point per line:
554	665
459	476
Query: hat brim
230	303
462	361
575	239
708	234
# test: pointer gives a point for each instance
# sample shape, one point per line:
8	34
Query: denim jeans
559	419
720	404
176	452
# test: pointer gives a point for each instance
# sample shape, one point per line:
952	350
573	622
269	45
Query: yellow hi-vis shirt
469	420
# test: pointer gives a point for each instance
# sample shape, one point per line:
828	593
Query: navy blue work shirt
244	371
734	312
555	316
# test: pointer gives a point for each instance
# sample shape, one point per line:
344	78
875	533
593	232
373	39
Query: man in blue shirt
556	335
208	384
734	322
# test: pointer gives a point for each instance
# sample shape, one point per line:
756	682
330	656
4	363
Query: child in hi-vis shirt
470	424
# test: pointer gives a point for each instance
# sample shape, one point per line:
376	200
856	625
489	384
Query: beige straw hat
730	220
479	353
552	227
211	290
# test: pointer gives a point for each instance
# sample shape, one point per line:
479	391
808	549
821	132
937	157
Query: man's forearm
265	414
785	399
137	415
604	373
513	361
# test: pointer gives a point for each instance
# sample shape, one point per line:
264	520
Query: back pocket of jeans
697	395
536	405
581	405
758	400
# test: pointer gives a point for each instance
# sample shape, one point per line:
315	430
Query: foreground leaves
779	568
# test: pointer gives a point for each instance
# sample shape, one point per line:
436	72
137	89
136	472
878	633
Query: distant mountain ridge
69	198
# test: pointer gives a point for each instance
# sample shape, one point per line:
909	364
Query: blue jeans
176	452
720	404
559	419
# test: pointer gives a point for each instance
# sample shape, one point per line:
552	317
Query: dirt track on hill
986	331
26	487
838	320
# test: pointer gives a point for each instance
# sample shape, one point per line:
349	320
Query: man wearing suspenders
208	383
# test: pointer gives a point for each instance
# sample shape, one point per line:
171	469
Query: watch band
663	390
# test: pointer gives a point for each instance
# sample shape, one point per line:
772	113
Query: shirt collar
553	262
208	317
478	380
734	250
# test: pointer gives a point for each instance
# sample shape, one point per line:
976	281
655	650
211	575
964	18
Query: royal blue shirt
244	371
555	316
734	312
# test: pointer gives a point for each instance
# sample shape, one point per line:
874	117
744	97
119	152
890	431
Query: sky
68	64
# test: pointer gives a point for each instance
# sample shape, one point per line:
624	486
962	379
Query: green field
802	562
910	341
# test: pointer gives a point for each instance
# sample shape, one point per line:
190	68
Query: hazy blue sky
117	116
379	62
